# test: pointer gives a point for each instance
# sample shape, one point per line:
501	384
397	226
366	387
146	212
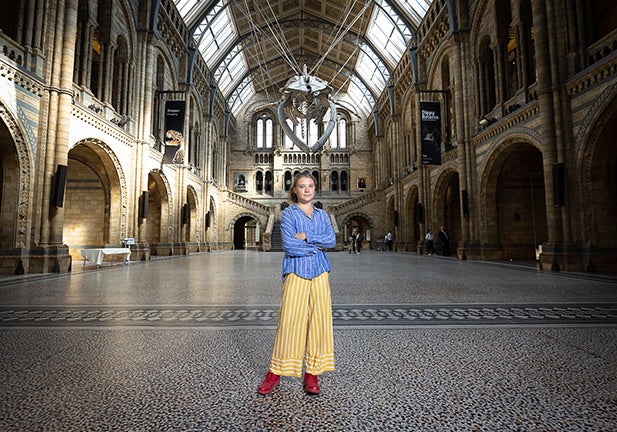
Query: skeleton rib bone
306	98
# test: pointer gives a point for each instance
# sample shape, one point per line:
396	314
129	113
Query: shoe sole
268	392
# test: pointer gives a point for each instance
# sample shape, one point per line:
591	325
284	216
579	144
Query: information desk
97	255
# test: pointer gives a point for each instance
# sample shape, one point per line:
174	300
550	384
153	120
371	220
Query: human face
305	190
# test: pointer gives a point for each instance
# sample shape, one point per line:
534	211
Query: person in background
445	241
388	240
304	331
430	242
352	243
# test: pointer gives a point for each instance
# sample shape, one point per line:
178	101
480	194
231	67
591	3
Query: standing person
352	243
358	242
304	331
388	240
445	241
430	242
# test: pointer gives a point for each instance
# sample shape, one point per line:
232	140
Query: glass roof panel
386	36
367	69
241	95
185	7
388	32
415	8
360	95
217	37
231	74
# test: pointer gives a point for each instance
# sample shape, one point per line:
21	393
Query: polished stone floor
422	343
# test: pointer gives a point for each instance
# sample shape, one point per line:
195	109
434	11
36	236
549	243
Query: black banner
174	131
430	114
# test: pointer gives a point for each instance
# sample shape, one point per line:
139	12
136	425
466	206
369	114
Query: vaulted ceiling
256	46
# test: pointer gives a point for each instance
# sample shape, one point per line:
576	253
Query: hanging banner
431	133
174	131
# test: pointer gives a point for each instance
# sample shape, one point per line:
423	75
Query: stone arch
167	56
20	196
96	196
246	214
412	219
599	117
237	228
361	221
446	206
526	200
160	211
194	233
211	221
597	167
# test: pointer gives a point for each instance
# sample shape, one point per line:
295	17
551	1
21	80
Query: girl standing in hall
304	331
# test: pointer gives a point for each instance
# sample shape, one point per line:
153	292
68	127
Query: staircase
276	241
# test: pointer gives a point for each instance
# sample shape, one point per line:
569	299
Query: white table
97	255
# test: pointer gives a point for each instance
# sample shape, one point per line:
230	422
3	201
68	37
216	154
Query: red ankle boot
310	384
270	381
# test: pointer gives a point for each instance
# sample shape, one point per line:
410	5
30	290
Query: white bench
96	255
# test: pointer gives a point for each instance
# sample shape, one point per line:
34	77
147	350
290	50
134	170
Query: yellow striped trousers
304	330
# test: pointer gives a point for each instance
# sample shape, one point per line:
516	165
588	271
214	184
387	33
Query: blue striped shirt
304	258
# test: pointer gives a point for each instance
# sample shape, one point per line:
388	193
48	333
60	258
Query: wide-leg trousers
304	330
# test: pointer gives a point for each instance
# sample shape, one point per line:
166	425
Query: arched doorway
246	233
16	181
9	193
520	203
93	200
599	177
448	212
157	231
191	221
359	224
413	220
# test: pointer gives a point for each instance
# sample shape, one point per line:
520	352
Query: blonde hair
304	174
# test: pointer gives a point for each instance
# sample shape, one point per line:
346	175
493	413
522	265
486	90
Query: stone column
142	101
65	102
547	130
60	77
461	94
108	62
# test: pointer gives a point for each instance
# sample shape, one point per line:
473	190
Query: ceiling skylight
219	43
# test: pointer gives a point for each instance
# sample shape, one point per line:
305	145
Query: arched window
512	63
342	133
268	181
264	128
120	91
96	69
287	181
343	181
313	134
287	141
486	72
269	127
316	175
159	85
528	42
334	180
334	138
448	120
259	181
259	133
